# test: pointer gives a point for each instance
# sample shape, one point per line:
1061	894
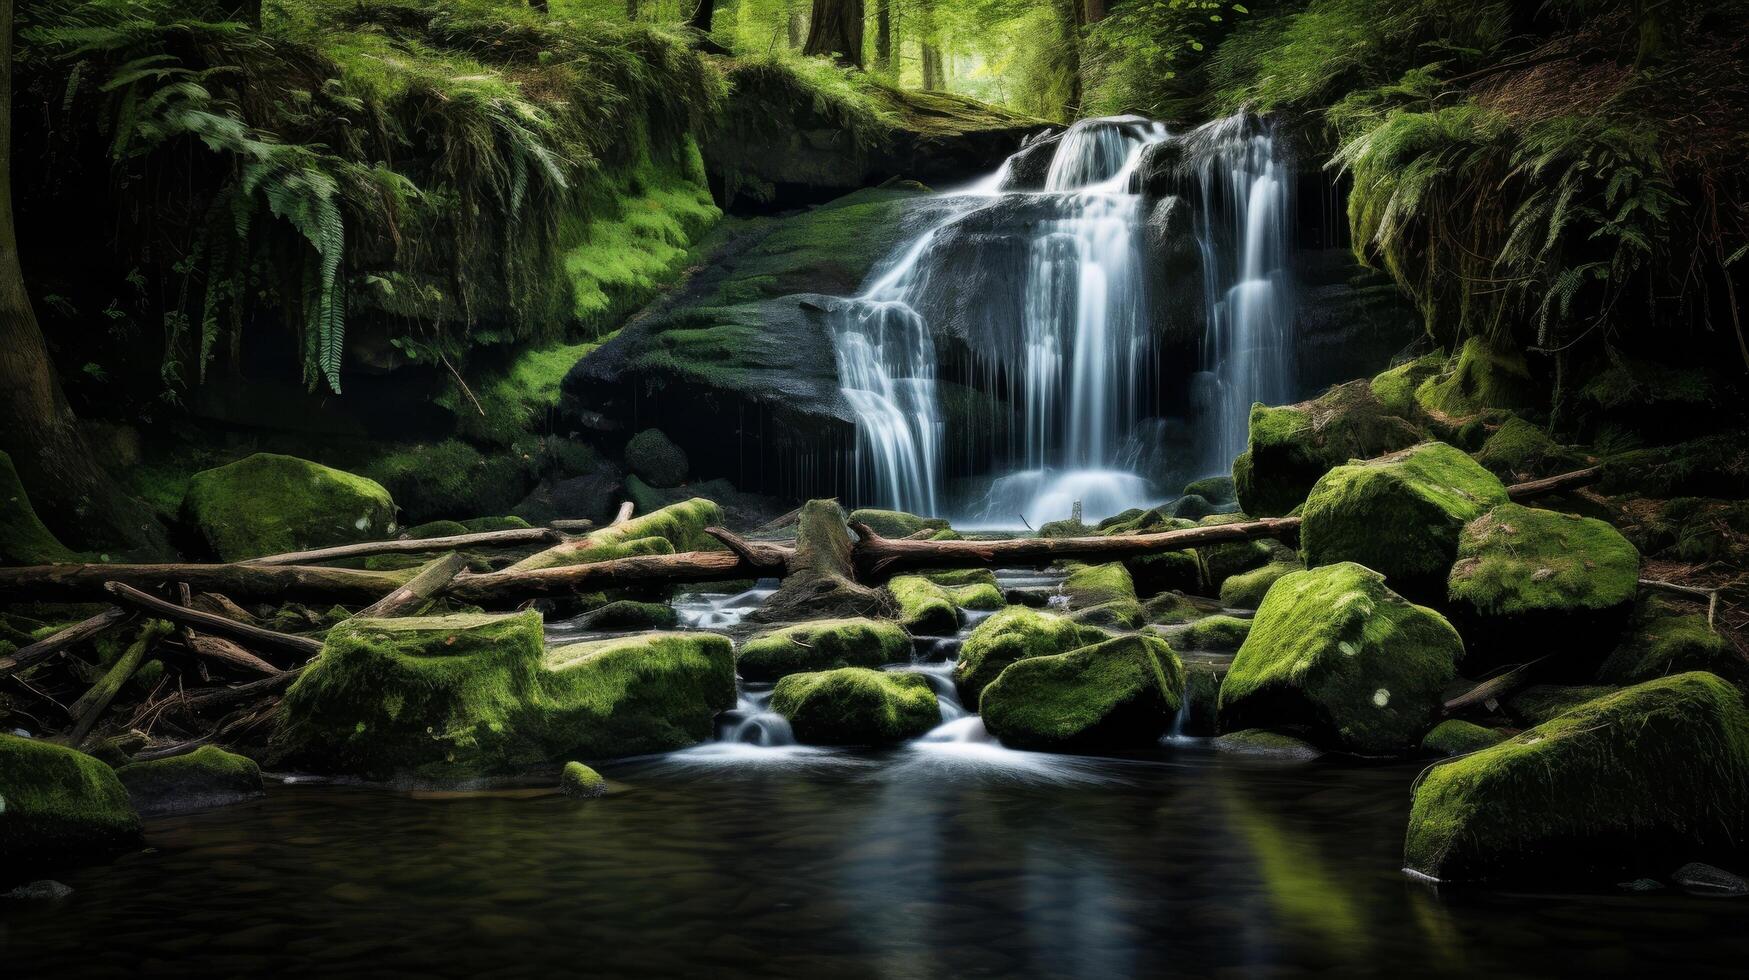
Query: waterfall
1055	315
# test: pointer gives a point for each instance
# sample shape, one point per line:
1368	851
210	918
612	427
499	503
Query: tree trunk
884	34
835	28
702	15
507	538
73	495
931	67
631	10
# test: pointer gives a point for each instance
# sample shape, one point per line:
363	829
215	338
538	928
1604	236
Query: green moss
519	400
1666	641
1263	742
1334	651
856	706
1289	447
824	644
1202	695
654	457
1122	693
1179	570
675	528
1247	589
1454	736
1632	783
268	504
627	614
1215	633
1629	384
1711	466
1011	635
24	539
1526	579
1093	585
1483	377
1400	514
924	607
896	523
1223	561
1395	388
209	776
1175	607
464	695
479	525
60	808
1540	702
435	529
1214	489
1521	450
451	478
580	782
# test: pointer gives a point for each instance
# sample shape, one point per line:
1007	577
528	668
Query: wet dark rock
1028	168
594	497
207	777
38	891
1696	878
655	458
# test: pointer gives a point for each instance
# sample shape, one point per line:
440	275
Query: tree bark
835	28
931	67
73	635
68	488
508	538
255	636
1559	483
884	34
277	583
419	589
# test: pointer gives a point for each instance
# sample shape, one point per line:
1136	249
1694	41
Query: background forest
379	233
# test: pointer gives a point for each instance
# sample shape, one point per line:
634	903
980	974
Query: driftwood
569	526
1496	687
419	589
221	650
93	703
1709	596
255	636
510	538
625	514
1559	483
510	587
276	583
72	636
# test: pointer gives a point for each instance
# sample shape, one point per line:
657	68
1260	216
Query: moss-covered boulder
1337	653
1527	581
824	644
1119	694
447	697
58	808
928	608
1223	561
452	478
1012	635
269	504
627	615
1482	377
1217	490
580	782
1290	446
1103	595
1215	634
1664	640
1151	574
1454	736
675	528
1266	744
1520	450
1169	608
1400	514
1395	388
655	458
896	523
24	539
1541	702
856	706
1247	589
477	525
1199	715
1634	783
207	777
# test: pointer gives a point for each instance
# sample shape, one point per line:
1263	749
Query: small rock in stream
1705	880
39	891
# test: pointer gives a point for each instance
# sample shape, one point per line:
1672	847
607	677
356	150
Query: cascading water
1061	337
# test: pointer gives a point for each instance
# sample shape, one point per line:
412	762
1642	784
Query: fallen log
276	583
1496	687
419	589
879	558
219	649
255	636
509	587
1559	483
72	636
510	538
93	703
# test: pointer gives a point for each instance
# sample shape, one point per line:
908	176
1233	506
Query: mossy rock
580	782
1483	377
1520	450
1395	388
1103	595
451	478
1119	694
464	695
626	615
654	457
1192	507
1199	716
1454	736
856	706
1247	589
1529	580
1268	744
58	808
1223	561
207	777
1167	571
1664	641
1541	702
269	504
1400	514
1215	634
1012	635
1334	651
928	608
1711	466
479	525
825	644
1216	490
1631	784
24	538
1289	447
434	529
896	523
675	528
1170	608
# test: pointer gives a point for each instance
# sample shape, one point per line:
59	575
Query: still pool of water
938	859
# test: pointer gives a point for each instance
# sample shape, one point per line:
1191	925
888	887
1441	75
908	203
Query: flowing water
1049	293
